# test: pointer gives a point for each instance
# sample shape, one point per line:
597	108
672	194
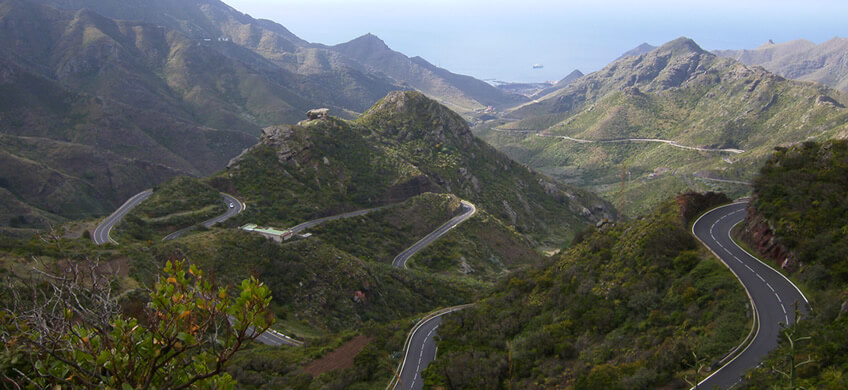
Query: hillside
461	93
825	63
169	88
712	121
583	321
797	221
353	75
405	145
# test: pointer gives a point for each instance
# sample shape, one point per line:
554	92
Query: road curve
237	208
468	209
772	294
419	351
101	232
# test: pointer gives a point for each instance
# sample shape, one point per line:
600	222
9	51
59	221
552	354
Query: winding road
420	348
772	294
468	210
237	207
420	338
101	232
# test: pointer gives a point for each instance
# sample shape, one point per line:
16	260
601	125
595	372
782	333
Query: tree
72	334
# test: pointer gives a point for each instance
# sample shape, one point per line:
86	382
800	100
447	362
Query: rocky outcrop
317	113
757	233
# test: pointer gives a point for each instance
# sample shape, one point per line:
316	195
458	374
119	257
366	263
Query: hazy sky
503	39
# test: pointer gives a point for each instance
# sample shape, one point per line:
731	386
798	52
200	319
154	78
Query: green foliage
177	203
189	333
383	234
624	308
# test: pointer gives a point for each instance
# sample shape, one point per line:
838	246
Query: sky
502	40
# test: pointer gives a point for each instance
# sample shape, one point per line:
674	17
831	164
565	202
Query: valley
200	198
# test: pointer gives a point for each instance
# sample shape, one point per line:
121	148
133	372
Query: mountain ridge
825	63
677	93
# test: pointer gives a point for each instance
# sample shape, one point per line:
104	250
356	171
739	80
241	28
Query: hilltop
405	145
730	116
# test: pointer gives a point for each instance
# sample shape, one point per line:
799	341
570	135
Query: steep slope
87	117
405	145
583	321
797	221
460	93
352	75
826	63
710	122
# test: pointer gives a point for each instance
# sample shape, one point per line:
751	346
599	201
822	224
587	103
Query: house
274	234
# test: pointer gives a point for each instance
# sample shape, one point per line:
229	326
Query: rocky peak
681	46
410	115
574	75
639	50
367	43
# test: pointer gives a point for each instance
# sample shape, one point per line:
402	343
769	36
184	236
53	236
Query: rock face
760	235
420	117
317	113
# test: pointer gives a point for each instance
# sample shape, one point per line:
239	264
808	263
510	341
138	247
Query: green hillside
679	93
624	308
405	145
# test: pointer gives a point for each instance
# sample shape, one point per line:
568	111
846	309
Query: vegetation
73	334
586	320
798	219
328	166
177	203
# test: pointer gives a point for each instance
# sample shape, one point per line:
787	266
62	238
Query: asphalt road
237	208
272	337
468	210
420	351
101	232
772	294
308	224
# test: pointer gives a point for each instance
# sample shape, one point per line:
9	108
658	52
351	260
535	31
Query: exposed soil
340	358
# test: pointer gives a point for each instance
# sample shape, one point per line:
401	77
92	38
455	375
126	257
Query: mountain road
468	209
772	295
101	232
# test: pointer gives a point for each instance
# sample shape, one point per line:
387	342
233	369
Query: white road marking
421	356
761	278
770	288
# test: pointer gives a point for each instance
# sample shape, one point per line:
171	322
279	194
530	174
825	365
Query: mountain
143	93
826	63
460	93
712	121
364	72
562	83
405	145
644	48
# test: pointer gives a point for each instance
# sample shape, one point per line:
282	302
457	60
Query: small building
274	234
